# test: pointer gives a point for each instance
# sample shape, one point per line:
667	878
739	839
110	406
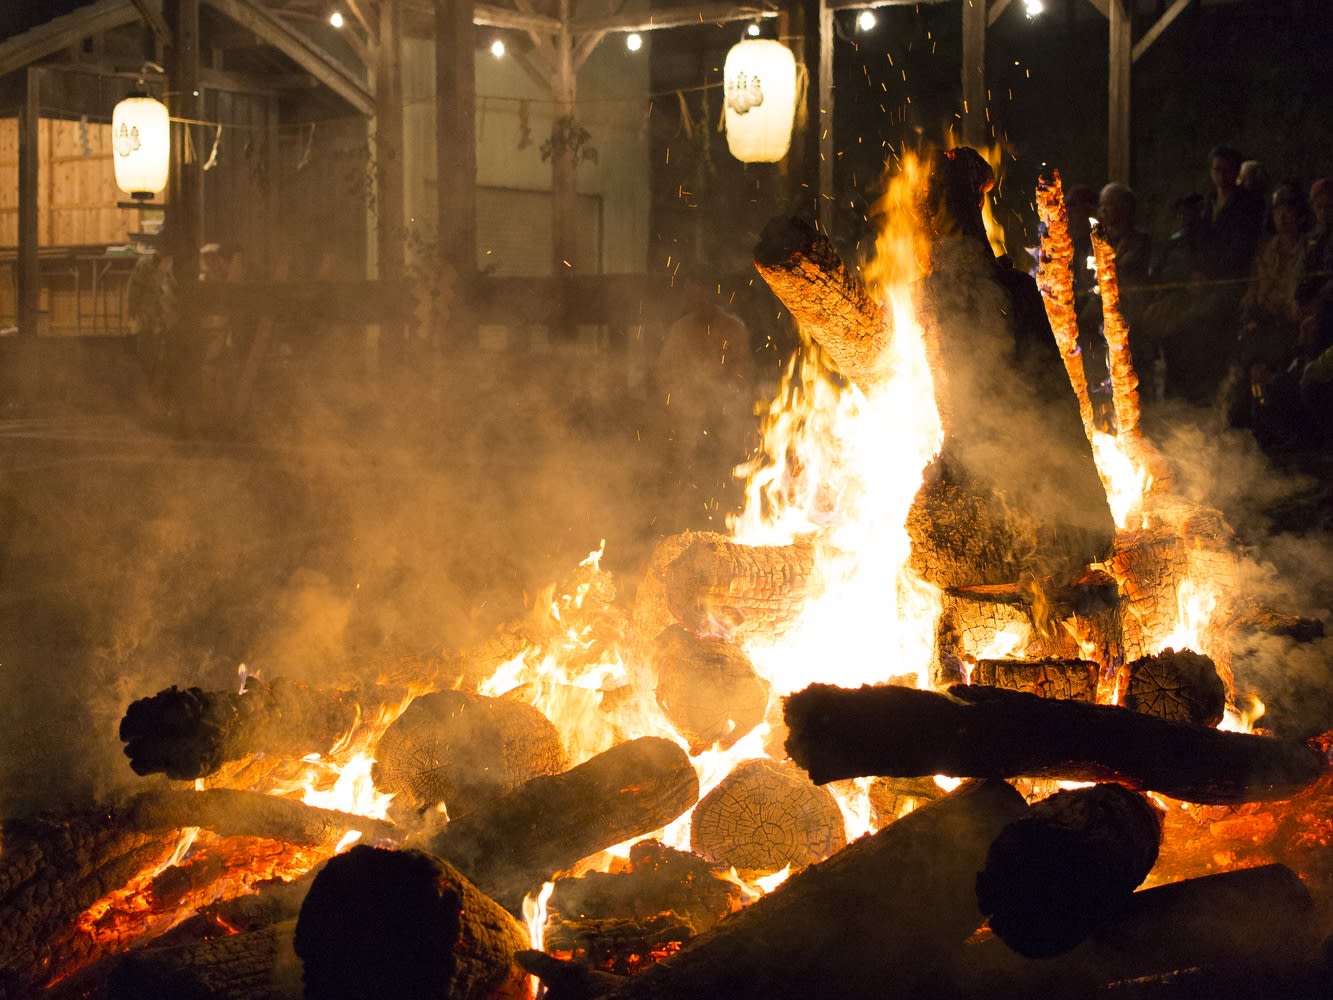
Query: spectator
1081	204
1319	246
1234	218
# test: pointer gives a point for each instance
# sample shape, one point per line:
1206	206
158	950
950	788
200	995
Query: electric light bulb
865	20
497	48
634	41
336	19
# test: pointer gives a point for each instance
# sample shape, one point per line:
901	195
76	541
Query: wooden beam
151	12
855	5
1162	23
252	83
456	160
997	8
355	7
271	30
1102	6
564	164
489	16
539	70
974	72
543	41
1118	94
703	13
185	185
29	277
61	32
825	193
584	46
389	143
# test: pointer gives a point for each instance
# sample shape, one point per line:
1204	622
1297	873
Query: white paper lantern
141	142
759	84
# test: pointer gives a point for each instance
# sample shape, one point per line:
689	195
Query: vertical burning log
1071	864
1055	278
1124	380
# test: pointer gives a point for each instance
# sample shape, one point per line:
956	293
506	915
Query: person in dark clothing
1233	219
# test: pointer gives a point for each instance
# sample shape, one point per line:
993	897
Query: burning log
825	298
1069	865
257	965
464	750
1180	685
1124	380
893	798
719	587
764	816
190	733
510	846
916	877
708	688
1069	680
407	925
234	812
986	732
1238	934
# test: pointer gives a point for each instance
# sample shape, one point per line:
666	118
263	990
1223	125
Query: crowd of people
1234	310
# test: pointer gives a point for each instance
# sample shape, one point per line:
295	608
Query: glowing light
865	20
141	140
1032	8
336	19
498	48
634	41
759	86
753	30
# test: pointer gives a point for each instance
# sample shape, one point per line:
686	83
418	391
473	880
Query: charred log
812	931
658	880
826	299
893	798
973	731
719	587
620	946
190	733
708	688
510	846
464	750
257	965
1181	685
1052	877
407	925
764	816
1069	680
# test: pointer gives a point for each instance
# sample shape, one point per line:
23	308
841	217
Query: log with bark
1067	679
707	687
234	812
1068	866
256	965
463	750
764	816
512	845
1176	684
868	916
407	925
190	733
1233	935
986	732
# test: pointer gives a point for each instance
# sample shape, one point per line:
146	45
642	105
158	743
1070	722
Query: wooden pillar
389	143
806	143
185	187
456	158
825	192
564	172
974	73
1118	92
29	275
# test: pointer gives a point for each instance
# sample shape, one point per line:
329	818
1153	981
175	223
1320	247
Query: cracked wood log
233	812
407	925
707	687
764	816
464	749
1069	680
1068	866
917	879
1181	685
513	844
256	965
1238	934
974	731
190	733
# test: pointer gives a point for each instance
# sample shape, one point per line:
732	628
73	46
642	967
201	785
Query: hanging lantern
759	85
141	141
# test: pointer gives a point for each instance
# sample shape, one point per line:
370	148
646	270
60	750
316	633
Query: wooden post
564	168
825	193
974	73
29	276
456	157
805	176
389	224
1118	92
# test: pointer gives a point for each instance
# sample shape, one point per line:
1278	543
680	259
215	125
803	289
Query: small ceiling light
498	48
336	19
1032	8
865	20
753	29
634	41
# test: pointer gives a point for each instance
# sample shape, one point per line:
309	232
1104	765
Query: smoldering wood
188	733
915	876
987	732
1238	934
893	798
829	302
405	924
764	816
1066	679
1177	684
707	687
621	946
235	812
715	586
255	965
512	845
659	879
652	613
464	749
1055	875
